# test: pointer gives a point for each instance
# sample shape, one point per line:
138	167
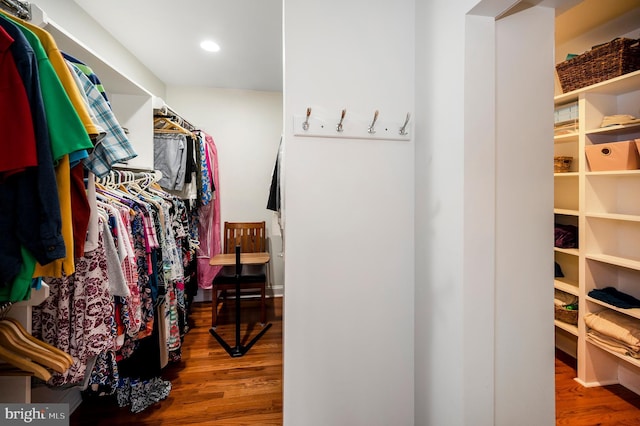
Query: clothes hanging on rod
208	213
131	287
65	119
114	255
56	137
174	155
274	202
189	163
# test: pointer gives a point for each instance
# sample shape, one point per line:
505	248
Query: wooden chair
251	238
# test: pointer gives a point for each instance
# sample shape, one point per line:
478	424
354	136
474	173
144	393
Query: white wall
479	221
348	309
246	126
470	348
439	232
524	339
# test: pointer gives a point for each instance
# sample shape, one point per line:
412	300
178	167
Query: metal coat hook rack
339	128
305	125
403	129
350	127
373	123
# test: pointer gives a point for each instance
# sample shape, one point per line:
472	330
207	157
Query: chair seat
244	279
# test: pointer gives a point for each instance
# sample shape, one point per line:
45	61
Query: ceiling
165	36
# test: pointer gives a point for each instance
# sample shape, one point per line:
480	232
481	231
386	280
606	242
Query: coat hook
373	123
339	128
403	129
305	125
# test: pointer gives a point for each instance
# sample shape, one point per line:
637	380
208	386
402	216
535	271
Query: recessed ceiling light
210	46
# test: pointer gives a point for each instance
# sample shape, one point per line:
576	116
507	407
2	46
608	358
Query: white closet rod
166	111
21	9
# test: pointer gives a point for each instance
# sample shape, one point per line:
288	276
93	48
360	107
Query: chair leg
214	306
263	311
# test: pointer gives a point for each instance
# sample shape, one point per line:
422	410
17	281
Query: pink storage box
613	156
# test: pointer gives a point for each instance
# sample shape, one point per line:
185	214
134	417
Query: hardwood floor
580	406
208	386
211	388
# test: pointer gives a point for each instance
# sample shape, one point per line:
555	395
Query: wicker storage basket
602	62
562	164
566	315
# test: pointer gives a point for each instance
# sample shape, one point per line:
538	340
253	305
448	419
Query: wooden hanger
165	125
30	353
45	345
24	364
14	337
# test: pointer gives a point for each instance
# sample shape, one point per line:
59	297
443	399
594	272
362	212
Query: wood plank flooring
208	386
211	388
580	406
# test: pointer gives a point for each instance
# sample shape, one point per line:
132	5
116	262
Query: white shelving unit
567	211
606	208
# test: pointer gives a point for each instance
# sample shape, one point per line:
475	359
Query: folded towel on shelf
612	344
617	326
618	119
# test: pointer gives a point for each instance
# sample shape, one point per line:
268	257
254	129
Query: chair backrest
250	236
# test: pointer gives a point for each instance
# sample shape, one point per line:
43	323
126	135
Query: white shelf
571	251
615	260
614	173
625	358
615	130
566	212
614	216
37	296
569	328
616	86
567	286
567	174
131	103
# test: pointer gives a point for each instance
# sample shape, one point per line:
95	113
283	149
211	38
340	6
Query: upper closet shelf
37	296
619	129
616	86
67	43
131	103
